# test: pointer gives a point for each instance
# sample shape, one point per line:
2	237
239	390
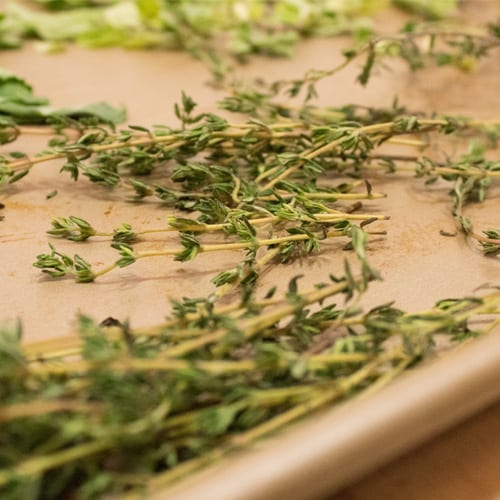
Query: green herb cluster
250	26
121	409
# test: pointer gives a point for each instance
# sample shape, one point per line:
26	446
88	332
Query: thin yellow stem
169	364
38	408
400	141
325	195
36	465
483	239
145	141
216	247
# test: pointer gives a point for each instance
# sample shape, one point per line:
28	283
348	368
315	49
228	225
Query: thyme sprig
293	241
417	45
211	380
215	136
282	185
77	229
472	176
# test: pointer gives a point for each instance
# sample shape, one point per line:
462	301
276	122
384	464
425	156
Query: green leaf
19	103
191	248
216	421
72	228
102	111
359	242
364	76
127	254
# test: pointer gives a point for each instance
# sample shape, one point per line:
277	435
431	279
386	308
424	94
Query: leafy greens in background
19	104
250	26
430	9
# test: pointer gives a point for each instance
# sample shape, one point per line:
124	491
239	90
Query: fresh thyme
210	380
291	240
416	45
274	188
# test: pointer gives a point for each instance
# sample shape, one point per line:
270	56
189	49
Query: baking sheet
418	265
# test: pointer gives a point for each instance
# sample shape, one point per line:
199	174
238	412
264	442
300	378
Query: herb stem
217	247
34	466
483	239
146	141
161	364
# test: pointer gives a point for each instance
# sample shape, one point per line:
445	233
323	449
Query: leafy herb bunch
121	409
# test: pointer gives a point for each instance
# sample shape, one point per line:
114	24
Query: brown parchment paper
419	266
